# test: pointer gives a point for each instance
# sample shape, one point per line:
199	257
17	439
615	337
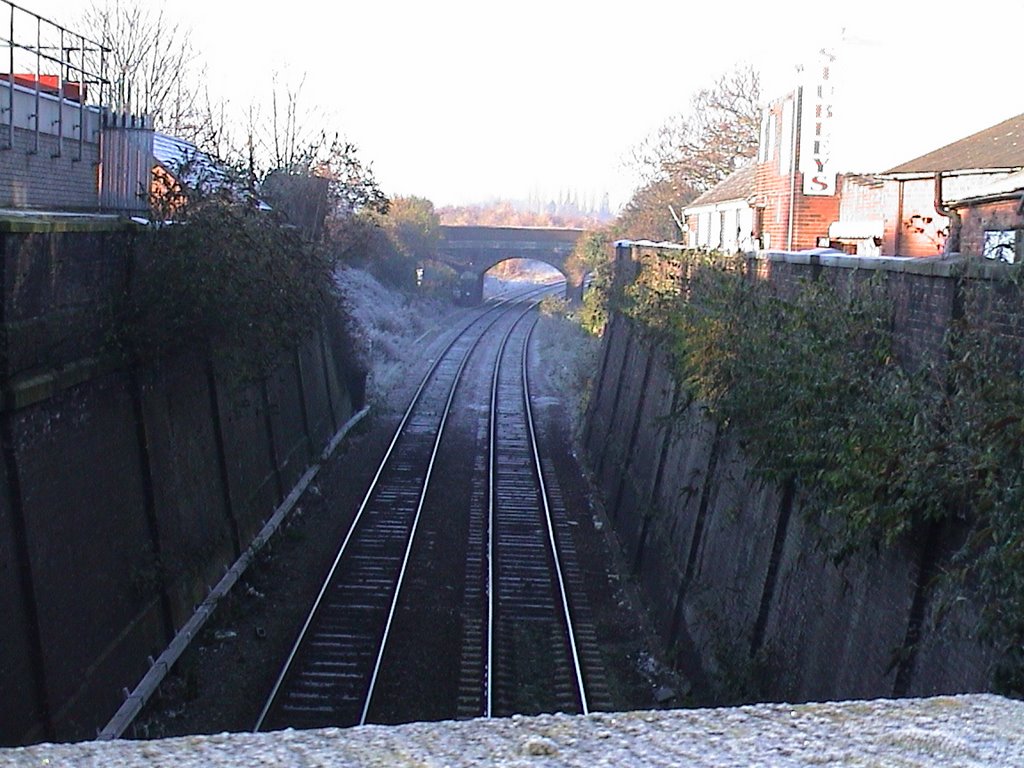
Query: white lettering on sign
816	130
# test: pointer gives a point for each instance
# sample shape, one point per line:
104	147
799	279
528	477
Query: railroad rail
521	651
330	674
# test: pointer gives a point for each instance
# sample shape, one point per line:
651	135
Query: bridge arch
473	250
516	268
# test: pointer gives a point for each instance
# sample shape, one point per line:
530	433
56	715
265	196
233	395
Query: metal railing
54	76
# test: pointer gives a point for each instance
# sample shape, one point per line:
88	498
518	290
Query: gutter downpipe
898	233
797	127
953	240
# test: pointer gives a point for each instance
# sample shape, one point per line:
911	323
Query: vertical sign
816	128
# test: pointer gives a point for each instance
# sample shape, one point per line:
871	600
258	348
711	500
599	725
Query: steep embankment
738	577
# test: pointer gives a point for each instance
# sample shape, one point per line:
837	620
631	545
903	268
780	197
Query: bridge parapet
472	250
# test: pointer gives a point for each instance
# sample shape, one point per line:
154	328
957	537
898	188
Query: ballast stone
968	730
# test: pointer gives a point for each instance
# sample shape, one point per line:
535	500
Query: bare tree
651	212
153	67
701	146
691	152
293	140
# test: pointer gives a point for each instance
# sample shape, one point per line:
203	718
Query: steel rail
563	593
514	557
373	487
491	474
423	496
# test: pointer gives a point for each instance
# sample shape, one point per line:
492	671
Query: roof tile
1001	146
737	186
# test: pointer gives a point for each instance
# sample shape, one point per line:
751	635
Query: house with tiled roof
905	210
802	198
722	218
999	148
990	223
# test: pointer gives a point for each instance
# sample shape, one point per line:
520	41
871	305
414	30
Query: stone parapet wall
915	733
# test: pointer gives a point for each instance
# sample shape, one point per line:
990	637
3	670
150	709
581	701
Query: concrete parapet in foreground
975	730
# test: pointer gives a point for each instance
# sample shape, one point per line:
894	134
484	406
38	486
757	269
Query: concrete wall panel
345	385
89	542
846	623
249	455
20	707
731	560
288	421
195	533
601	411
315	394
734	573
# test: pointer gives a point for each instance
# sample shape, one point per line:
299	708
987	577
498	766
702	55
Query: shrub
224	275
813	386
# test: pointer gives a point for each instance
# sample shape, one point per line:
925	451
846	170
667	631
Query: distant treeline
507	213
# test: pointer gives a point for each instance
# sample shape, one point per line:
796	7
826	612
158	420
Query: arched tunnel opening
512	275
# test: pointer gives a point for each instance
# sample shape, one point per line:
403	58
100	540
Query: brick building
789	196
61	146
793	198
915	196
991	223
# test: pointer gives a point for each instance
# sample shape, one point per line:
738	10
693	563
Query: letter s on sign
820	182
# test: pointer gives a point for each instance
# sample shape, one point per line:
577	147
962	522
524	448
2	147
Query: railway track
533	647
331	675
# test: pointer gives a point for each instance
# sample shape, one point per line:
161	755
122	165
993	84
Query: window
786	139
1000	245
762	142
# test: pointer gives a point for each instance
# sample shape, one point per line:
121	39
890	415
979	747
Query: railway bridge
473	250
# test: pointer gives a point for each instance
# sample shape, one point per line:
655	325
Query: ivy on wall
811	382
226	277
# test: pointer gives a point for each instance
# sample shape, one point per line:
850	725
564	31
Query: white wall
726	226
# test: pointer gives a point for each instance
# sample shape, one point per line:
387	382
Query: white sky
466	100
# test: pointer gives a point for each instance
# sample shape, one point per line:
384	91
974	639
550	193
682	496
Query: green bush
224	276
812	385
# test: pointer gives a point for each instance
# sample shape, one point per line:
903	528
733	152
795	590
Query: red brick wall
1002	214
775	188
860	201
923	231
920	231
870	200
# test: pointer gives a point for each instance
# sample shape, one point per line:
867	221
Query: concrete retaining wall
738	584
123	494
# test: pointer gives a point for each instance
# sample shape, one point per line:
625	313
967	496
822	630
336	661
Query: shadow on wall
123	494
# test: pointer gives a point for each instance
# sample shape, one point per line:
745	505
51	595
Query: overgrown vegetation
880	448
690	153
220	273
593	256
224	276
